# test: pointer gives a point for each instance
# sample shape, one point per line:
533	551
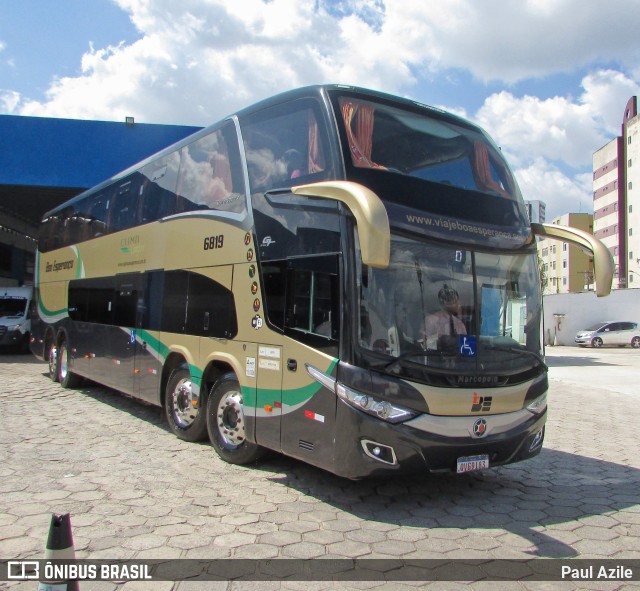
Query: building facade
536	211
616	198
47	161
632	159
566	268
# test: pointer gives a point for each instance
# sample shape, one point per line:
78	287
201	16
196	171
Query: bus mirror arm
369	211
602	259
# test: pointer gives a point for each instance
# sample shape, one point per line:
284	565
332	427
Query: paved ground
135	491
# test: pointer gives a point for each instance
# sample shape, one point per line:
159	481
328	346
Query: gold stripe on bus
469	402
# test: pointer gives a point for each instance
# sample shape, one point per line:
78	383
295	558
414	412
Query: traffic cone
59	547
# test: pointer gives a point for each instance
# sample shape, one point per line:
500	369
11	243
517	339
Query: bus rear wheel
66	377
184	407
226	423
52	357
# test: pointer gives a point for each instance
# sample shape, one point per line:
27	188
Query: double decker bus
336	274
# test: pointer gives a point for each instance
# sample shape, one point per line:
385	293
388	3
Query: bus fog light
378	451
537	440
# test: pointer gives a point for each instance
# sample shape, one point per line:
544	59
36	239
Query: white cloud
606	93
9	101
562	193
199	60
560	128
510	41
551	142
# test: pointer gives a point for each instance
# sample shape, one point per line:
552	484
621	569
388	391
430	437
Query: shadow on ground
528	499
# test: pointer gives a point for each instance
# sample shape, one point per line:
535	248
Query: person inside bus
442	327
293	160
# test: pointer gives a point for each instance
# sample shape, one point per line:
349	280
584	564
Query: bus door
122	336
269	396
312	325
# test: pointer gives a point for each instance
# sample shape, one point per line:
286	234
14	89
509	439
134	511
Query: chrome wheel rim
184	403
53	356
230	419
64	363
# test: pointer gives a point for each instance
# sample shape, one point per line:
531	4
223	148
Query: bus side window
211	308
83	219
174	301
124	206
126	305
50	233
99	212
210	173
159	195
68	223
312	313
91	300
283	145
274	283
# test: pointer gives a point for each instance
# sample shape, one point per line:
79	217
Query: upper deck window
210	173
284	146
412	143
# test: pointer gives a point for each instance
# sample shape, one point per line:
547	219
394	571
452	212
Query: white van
15	321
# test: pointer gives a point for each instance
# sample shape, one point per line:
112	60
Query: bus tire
185	421
66	377
226	423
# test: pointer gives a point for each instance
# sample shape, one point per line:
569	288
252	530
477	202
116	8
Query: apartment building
566	268
536	210
616	198
632	146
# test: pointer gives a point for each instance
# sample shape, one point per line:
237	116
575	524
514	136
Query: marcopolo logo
481	403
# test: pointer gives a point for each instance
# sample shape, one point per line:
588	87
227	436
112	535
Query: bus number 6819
211	242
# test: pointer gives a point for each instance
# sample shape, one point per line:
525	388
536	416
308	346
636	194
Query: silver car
610	333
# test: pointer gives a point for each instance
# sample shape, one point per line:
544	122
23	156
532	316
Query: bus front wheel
226	423
184	407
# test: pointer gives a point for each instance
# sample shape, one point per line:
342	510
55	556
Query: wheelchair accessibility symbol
467	346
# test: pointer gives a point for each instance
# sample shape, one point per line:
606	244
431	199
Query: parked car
15	322
610	333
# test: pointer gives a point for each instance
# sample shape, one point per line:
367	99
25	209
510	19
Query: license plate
471	463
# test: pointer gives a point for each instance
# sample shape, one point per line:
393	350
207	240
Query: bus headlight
383	409
538	406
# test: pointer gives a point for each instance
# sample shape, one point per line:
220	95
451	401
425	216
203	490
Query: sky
548	79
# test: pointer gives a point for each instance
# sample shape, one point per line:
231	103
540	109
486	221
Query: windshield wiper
517	350
407	356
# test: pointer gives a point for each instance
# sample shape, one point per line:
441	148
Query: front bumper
415	449
10	338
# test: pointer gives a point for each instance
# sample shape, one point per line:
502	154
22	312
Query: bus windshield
431	148
12	306
450	310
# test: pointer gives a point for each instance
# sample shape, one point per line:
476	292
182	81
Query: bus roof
320	91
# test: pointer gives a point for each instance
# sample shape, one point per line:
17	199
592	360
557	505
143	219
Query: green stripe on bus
291	397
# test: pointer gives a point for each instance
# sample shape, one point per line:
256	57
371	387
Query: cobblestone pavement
136	491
